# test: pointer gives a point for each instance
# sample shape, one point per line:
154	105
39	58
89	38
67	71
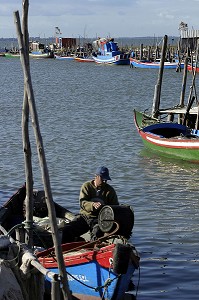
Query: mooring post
157	93
184	82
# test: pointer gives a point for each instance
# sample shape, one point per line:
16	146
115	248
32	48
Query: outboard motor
111	216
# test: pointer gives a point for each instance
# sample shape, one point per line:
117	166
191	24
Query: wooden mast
25	138
29	95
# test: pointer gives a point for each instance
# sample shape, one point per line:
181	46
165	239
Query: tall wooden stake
184	81
196	64
157	93
26	141
41	154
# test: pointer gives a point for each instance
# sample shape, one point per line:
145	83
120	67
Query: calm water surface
86	120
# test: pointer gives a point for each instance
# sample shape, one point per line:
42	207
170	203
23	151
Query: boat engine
111	216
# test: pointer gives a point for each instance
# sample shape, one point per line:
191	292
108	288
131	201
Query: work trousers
78	226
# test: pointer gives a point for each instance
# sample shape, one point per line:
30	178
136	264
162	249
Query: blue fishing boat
103	268
39	50
147	64
100	269
95	270
41	54
107	52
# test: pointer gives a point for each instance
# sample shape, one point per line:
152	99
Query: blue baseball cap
103	172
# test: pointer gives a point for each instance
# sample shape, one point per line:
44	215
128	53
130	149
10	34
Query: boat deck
179	110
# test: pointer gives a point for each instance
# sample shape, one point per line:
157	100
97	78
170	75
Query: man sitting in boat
94	195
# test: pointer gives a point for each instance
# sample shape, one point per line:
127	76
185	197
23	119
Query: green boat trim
168	139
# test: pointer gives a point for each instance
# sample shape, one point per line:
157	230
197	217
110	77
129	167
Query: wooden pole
196	63
149	54
184	81
192	98
141	51
25	136
192	87
42	159
157	93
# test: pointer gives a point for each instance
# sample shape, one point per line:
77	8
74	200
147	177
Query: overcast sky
92	18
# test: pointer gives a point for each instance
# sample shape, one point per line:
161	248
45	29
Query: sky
93	18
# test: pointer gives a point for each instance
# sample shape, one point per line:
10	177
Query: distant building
67	43
188	37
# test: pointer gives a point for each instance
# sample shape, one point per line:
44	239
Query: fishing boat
84	59
178	137
12	55
41	54
168	138
12	215
100	271
107	52
144	64
31	218
95	269
64	57
192	68
39	50
16	257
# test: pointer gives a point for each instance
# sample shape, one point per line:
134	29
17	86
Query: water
86	120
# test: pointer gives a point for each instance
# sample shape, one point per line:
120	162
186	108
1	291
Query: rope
15	227
108	281
96	289
92	243
96	241
41	240
14	258
23	225
138	284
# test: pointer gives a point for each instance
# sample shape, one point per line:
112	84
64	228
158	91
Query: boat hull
188	151
109	59
180	146
191	69
90	273
94	276
152	65
12	55
84	59
60	57
41	55
92	267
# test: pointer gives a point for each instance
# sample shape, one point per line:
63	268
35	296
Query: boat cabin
36	47
104	46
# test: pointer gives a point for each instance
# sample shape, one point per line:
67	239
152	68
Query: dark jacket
89	193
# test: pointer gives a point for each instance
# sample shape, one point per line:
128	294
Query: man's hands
97	205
